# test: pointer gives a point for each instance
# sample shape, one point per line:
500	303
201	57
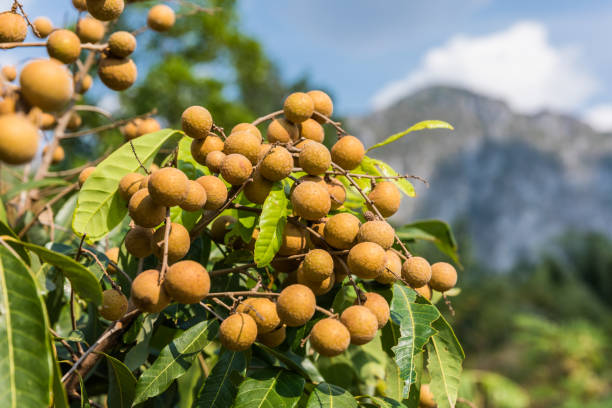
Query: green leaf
121	383
435	231
35	184
271	225
383	402
99	206
3	213
327	395
26	368
60	399
426	124
174	360
380	168
187	163
445	357
270	388
294	362
219	390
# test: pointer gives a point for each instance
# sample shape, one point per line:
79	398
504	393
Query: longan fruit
379	306
285	265
195	198
18	139
322	104
319	228
416	271
83	175
247	127
314	158
257	190
196	122
310	201
113	255
58	154
216	192
294	240
114	304
139	241
337	193
424	291
311	129
361	323
187	282
377	231
64	46
90	30
43	26
244	143
426	397
168	186
238	332
145	182
74	122
443	276
84	84
318	265
129	184
264	148
236	169
281	131
105	10
263	311
13	27
348	152
148	125
7	104
200	148
144	211
341	230
214	160
161	18
386	198
274	338
277	164
121	44
178	242
298	107
147	294
366	260
221	226
130	130
319	287
46	84
329	337
392	270
117	74
80	5
296	305
9	72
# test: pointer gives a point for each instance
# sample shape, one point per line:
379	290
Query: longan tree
200	266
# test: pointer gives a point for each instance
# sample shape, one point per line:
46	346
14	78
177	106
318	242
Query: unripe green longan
121	44
310	201
236	169
147	294
377	231
114	305
274	338
277	164
379	306
322	104
366	260
294	240
244	143
329	337
18	139
138	242
144	211
238	332
296	305
341	230
443	276
105	10
282	131
257	190
168	186
298	107
318	265
361	323
178	242
263	311
392	270
117	74
314	158
386	198
187	282
195	198
196	122
312	130
416	271
161	18
13	27
216	192
90	30
347	152
200	148
247	127
129	184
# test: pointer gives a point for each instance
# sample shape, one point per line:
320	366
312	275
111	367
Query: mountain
518	181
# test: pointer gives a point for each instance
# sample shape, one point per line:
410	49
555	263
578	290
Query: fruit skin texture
144	211
84	175
379	307
220	227
214	160
274	338
200	148
216	192
379	232
318	265
424	291
18	139
281	130
361	323
114	305
337	193
138	242
148	125
244	143
348	152
329	337
13	27
168	186
178	242
113	255
294	240
43	25
121	44
322	104
46	84
195	198
64	46
196	122
416	271
236	169
263	311
296	305
310	129
318	288
310	201
247	127
161	18
341	230
238	332
129	184
392	270
9	72
90	30
386	198
147	295
257	189
298	107
366	260
277	164
187	282
105	10
117	74
314	158
443	276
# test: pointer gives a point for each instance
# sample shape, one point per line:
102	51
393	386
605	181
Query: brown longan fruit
379	306
46	84
348	152
64	46
274	338
294	240
257	190
18	139
114	304
238	332
264	148
443	276
117	74
314	158
9	72
7	104
263	311
424	291
366	260
416	271
148	125
144	211
129	184
236	169
322	104
377	231
221	226
147	294
318	287
145	182
80	5
247	127
196	122
392	270
318	265
168	186
285	265
426	397
361	323
178	242
310	201
43	26
386	198
139	241
161	18
337	193
90	30
121	44
244	143
74	122
311	129
58	154
83	175
341	230
187	282
329	337
195	198
277	164
296	305
13	27
216	192
113	255
105	10
298	107
130	130
282	131
214	160
200	148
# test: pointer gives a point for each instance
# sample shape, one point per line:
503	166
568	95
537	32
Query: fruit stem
266	117
164	267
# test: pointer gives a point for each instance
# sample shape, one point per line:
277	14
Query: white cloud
518	65
599	117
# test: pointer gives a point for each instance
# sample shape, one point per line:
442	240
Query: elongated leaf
383	402
327	395
6	230
121	384
426	124
445	357
174	360
380	168
26	369
435	231
294	362
82	280
3	213
219	390
99	206
60	399
30	185
270	388
271	225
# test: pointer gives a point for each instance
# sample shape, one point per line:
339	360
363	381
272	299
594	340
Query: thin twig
101	265
210	309
266	117
64	343
368	176
167	226
336	125
138	159
90	108
448	304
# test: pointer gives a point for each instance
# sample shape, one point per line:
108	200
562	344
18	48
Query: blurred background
525	179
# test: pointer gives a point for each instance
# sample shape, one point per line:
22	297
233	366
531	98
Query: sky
536	55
